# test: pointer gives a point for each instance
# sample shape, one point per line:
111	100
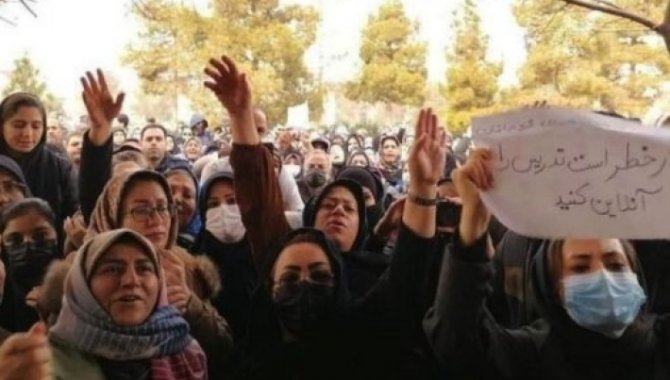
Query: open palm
229	85
428	155
102	108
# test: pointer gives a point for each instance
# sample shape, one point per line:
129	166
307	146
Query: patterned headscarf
107	216
85	326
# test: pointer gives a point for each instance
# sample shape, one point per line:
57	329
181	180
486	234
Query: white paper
565	173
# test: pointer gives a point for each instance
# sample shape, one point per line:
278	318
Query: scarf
85	326
106	215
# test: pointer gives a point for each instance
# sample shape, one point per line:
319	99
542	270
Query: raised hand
391	219
101	106
232	90
26	356
428	155
470	179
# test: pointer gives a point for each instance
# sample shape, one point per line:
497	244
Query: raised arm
464	336
256	185
96	154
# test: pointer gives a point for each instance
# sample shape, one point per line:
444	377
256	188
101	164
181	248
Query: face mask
293	170
604	302
224	222
302	306
28	263
315	178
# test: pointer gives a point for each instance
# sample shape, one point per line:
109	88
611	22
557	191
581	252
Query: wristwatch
417	200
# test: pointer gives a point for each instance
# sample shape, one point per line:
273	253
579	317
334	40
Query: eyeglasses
144	213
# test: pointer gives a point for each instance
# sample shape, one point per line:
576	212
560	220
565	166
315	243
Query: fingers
220	67
92	83
418	128
214	75
102	81
118	104
231	65
31	340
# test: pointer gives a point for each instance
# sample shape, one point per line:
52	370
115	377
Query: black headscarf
312	207
12	168
266	354
570	345
365	178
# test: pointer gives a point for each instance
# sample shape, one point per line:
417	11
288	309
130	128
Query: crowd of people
251	253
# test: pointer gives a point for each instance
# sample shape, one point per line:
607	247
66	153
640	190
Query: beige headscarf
107	216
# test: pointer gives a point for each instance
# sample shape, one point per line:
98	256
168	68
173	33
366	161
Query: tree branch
28	7
662	29
614	12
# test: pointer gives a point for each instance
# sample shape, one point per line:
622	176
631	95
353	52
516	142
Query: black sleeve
69	190
94	171
464	336
396	298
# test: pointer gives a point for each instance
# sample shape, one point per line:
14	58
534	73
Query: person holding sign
589	294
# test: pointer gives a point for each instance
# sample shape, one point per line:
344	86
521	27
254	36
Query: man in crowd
154	146
317	169
73	147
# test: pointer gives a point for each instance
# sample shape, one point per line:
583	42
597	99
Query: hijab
107	216
84	325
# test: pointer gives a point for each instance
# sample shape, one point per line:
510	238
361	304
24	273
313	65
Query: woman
29	245
142	201
23	138
354	142
588	292
223	240
116	322
184	187
390	162
193	149
358	158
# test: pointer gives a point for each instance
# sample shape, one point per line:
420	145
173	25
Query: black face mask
448	213
315	178
301	307
374	214
27	263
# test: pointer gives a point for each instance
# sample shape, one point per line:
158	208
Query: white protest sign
566	173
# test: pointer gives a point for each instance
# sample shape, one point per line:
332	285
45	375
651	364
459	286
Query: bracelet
420	201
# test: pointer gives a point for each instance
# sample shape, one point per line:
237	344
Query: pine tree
472	81
25	77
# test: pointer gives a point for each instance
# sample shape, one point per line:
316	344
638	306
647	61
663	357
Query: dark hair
25	206
10	106
555	260
129	156
132	139
153	126
123	119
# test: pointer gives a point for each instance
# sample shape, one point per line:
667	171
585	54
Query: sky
71	36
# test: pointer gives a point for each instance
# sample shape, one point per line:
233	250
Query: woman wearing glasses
141	201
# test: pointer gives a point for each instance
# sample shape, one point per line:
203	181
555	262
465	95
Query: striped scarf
164	338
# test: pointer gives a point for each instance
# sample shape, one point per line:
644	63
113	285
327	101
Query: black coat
370	338
49	177
468	341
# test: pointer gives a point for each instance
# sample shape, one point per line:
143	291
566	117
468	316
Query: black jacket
370	338
50	177
468	341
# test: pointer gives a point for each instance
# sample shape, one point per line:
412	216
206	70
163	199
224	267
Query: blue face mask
604	302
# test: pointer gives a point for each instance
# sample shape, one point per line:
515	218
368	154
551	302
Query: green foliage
268	41
472	82
25	77
393	60
588	59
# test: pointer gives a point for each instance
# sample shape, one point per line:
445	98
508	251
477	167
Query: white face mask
225	223
293	170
